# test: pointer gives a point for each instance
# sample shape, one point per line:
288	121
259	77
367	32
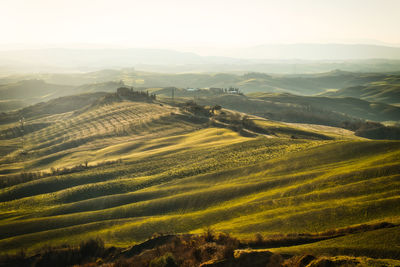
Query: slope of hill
386	90
125	170
353	107
109	86
11	104
26	92
51	107
32	91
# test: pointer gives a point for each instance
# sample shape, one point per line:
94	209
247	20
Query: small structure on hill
232	90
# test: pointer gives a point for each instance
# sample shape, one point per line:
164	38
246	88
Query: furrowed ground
127	170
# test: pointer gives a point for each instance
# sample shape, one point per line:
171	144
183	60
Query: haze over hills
54	84
298	58
244	133
321	52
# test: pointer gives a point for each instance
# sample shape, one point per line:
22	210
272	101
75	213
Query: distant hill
306	109
23	93
51	107
247	82
347	105
386	89
110	86
11	104
320	51
291	58
109	79
32	90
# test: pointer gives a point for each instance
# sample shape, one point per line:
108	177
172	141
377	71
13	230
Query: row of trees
130	94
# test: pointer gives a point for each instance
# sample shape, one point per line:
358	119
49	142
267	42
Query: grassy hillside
125	170
12	104
379	243
386	90
52	107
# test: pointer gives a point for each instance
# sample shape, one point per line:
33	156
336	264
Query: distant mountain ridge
321	51
259	58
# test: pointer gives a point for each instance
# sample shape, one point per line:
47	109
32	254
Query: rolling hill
329	111
303	84
16	95
124	170
386	90
32	91
354	107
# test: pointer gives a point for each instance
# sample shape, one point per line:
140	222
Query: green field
127	170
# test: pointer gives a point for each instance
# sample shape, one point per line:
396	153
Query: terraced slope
154	168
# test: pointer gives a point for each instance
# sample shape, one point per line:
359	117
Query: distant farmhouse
204	92
232	90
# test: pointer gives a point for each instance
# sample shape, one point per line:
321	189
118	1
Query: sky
184	24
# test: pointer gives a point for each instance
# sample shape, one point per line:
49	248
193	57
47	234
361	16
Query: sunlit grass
178	176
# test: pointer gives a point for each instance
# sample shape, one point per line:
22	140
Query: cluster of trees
376	130
199	110
129	93
372	130
66	255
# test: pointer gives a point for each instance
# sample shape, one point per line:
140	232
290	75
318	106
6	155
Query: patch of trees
66	255
372	130
124	93
199	110
130	94
375	130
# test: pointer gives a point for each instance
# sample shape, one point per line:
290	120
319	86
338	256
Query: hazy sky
189	23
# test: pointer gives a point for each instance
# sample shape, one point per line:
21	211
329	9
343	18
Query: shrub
167	260
208	234
92	247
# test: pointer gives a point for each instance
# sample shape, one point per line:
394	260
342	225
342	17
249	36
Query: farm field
126	170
